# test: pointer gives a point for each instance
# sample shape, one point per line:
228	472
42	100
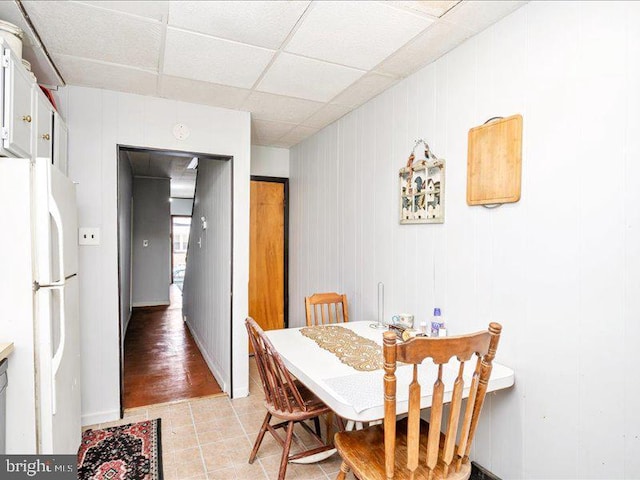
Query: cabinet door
60	143
44	135
18	112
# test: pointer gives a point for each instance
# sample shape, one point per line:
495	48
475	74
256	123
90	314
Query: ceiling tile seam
407	44
284	43
457	6
287	133
117	12
395	78
102	62
404	8
440	21
200	34
329	62
451	8
246	91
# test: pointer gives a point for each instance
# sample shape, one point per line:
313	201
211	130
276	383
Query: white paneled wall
207	282
151	257
99	120
560	269
269	161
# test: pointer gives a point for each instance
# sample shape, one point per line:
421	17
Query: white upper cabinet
17	118
44	129
60	145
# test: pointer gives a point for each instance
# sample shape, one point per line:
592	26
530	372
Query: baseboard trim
213	366
159	303
100	417
240	392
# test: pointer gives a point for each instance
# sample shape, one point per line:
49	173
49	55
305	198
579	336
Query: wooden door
267	253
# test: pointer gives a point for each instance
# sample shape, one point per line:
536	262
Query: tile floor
211	438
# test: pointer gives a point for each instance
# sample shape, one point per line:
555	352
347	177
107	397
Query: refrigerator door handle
54	285
57	357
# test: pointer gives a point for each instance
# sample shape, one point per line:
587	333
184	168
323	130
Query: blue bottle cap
436	312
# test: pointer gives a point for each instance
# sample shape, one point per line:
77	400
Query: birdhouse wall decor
422	188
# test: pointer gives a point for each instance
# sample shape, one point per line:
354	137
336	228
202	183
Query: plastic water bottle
442	328
435	323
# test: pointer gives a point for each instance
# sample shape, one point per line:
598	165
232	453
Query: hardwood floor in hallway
162	362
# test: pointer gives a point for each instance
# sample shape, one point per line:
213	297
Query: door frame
186	154
285	181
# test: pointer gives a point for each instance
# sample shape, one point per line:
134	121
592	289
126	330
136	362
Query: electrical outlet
88	236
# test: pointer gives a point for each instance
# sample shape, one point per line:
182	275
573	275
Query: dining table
355	394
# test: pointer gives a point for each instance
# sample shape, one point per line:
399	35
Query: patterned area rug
127	452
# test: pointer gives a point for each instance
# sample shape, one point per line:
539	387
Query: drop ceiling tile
264	132
79	71
432	8
296	135
156	10
265	24
208	59
266	106
357	34
301	77
94	33
205	93
440	38
364	89
326	115
476	16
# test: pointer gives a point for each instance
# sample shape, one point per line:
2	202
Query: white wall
151	223
560	269
207	281
269	161
125	196
181	206
99	120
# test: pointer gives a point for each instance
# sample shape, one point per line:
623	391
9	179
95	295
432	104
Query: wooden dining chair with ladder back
412	448
285	398
326	308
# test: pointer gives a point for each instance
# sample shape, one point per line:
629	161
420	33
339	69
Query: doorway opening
180	228
165	353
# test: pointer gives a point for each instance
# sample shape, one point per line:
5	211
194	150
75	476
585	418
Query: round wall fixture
181	131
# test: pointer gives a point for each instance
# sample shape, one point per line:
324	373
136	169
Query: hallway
162	362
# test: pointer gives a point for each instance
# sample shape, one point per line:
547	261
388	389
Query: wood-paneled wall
207	282
560	270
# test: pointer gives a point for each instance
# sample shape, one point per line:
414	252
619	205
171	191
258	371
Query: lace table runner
358	352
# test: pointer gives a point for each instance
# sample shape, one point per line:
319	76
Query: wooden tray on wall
494	162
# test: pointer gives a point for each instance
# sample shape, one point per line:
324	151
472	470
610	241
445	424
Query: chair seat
363	451
314	406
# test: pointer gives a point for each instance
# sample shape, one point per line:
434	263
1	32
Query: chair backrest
461	426
325	308
280	391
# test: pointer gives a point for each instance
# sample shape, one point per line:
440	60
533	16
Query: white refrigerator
39	309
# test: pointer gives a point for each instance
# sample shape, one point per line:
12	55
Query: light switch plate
88	236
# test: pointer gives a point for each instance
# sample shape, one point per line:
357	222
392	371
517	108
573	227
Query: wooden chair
412	448
319	309
285	398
